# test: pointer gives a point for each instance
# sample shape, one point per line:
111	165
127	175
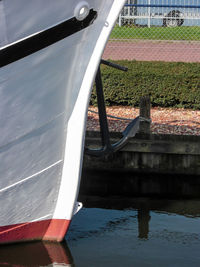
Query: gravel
164	120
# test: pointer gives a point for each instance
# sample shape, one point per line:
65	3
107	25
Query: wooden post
145	114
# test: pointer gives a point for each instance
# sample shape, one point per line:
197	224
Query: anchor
129	132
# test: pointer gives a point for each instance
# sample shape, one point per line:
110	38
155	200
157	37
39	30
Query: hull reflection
36	254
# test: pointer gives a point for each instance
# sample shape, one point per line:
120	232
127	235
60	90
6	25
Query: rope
145	119
121	118
111	116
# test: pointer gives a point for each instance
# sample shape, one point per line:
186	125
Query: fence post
145	114
149	14
135	11
120	20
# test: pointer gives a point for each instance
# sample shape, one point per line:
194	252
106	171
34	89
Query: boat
36	254
49	55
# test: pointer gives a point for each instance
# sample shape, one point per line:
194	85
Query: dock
148	166
149	153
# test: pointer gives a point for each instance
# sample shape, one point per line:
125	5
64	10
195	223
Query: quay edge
149	165
167	154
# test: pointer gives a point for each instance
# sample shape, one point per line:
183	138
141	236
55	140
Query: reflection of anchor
36	254
130	131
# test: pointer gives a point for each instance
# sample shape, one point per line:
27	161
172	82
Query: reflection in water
36	254
120	232
142	232
143	223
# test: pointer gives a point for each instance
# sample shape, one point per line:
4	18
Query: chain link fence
157	30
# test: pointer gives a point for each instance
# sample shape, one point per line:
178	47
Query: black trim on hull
44	39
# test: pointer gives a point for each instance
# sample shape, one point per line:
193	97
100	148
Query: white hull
44	98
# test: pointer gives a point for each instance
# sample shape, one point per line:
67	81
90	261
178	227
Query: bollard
145	115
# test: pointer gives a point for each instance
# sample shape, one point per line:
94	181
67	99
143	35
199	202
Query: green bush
168	84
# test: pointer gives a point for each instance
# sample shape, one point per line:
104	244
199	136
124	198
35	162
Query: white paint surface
44	100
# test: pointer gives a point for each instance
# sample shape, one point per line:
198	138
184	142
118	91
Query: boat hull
44	98
50	230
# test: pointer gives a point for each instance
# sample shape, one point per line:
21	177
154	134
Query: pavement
145	50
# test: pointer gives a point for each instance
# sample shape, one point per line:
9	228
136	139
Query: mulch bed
164	120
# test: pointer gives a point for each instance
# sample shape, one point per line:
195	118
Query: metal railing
151	10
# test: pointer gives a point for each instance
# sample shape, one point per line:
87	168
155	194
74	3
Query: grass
189	33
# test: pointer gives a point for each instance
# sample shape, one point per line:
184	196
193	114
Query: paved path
171	51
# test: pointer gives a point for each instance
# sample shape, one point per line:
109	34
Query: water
120	232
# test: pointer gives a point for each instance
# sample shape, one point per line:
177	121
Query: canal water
120	232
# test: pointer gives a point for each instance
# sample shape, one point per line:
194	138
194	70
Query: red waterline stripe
50	230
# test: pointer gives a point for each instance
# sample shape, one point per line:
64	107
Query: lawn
189	33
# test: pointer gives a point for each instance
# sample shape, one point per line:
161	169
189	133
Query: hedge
168	84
